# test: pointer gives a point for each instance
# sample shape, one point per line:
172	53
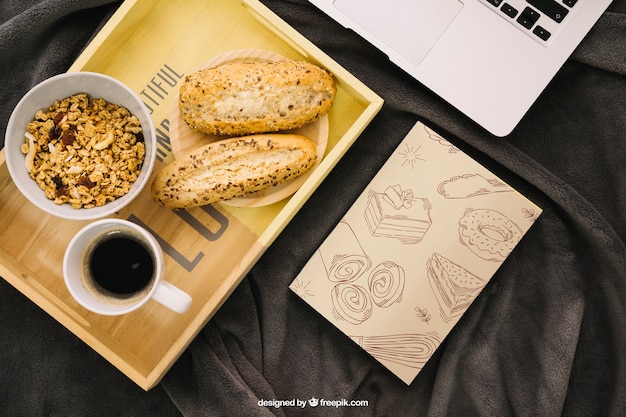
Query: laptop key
495	2
570	3
550	8
541	33
509	10
528	18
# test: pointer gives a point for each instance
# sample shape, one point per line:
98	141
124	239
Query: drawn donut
488	233
351	303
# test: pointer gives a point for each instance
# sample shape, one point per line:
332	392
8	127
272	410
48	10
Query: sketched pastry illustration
489	234
342	255
351	303
454	286
355	303
345	261
411	350
471	185
386	283
414	251
397	213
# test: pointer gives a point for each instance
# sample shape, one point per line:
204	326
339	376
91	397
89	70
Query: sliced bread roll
239	99
232	168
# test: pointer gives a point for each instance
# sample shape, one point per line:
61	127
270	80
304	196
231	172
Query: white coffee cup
114	266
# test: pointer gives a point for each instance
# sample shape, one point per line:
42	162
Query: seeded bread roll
232	168
239	99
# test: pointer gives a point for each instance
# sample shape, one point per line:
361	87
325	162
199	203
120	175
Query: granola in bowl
80	146
84	151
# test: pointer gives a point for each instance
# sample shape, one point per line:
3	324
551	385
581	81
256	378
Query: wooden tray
149	45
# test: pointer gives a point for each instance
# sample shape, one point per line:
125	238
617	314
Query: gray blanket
547	337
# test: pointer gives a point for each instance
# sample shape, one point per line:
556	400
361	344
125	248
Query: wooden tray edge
18	275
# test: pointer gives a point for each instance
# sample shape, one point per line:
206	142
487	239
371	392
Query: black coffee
119	263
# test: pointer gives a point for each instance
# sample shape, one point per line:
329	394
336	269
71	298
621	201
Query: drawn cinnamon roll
351	303
342	255
386	283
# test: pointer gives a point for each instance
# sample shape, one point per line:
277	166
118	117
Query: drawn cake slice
396	213
454	286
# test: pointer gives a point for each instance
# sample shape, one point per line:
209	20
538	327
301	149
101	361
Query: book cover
414	251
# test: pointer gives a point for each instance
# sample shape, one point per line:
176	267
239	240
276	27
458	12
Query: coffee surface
119	267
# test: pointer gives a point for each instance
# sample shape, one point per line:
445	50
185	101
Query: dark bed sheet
545	338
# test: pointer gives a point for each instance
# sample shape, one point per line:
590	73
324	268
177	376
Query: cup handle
172	297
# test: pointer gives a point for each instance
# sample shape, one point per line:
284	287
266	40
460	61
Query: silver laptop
490	59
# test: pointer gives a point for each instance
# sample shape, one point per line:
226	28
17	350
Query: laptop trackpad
410	27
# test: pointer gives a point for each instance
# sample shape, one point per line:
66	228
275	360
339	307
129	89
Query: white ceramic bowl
42	96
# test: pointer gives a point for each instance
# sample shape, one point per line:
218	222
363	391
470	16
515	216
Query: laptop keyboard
542	20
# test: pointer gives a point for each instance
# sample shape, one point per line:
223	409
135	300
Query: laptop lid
490	59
